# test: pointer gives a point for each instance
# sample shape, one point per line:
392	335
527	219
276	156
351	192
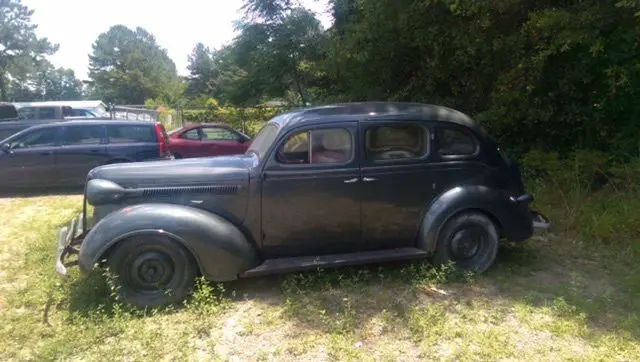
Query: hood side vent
200	189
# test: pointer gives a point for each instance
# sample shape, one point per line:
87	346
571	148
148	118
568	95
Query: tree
45	83
61	84
202	71
128	66
277	53
20	48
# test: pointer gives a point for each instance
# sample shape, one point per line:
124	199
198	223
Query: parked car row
61	153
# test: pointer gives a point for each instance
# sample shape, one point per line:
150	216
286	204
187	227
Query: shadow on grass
346	299
40	192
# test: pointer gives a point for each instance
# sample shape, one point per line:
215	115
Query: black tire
152	271
470	240
177	156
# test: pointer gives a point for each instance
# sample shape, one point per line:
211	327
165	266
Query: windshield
100	112
263	140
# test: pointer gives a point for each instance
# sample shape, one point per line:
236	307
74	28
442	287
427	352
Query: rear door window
396	142
82	135
131	134
218	134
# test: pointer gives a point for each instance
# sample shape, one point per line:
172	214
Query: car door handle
47	153
94	151
369	179
351	180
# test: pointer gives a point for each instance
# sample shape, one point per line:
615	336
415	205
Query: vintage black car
328	186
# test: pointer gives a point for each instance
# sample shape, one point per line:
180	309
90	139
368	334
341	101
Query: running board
286	265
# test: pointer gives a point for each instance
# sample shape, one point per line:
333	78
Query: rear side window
396	142
131	134
82	135
454	142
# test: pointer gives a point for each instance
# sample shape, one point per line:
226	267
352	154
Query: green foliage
128	66
248	120
21	51
588	195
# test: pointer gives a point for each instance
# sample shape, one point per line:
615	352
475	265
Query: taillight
163	139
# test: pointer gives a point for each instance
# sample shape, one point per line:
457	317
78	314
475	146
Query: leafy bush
247	120
588	196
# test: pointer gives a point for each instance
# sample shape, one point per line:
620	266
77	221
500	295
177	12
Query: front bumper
69	239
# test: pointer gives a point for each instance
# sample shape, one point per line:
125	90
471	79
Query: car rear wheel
177	155
470	240
152	271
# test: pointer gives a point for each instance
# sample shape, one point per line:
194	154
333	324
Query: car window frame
367	124
272	164
452	126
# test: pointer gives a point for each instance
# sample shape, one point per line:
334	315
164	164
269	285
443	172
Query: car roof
88	122
188	126
372	111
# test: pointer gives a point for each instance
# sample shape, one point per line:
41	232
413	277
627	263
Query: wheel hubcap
466	243
151	270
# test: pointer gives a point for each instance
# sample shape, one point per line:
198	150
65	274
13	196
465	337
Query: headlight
101	192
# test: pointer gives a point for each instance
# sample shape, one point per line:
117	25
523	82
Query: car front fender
221	250
511	213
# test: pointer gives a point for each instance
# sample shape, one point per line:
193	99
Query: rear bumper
521	221
69	239
539	221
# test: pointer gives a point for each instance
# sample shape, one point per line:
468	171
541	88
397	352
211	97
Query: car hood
183	172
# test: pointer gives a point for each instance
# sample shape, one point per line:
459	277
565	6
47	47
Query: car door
82	147
311	193
397	181
186	144
31	160
222	141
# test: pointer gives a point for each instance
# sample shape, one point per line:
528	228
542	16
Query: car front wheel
152	271
470	240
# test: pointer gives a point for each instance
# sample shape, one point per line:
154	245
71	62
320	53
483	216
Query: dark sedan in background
208	139
61	154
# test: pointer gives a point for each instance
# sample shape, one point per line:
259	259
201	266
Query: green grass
558	297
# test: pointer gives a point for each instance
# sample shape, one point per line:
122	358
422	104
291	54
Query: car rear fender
511	216
220	248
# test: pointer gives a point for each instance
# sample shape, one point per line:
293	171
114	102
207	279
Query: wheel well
105	255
